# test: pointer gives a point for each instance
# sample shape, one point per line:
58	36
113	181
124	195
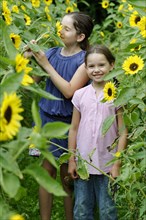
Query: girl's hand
115	170
72	169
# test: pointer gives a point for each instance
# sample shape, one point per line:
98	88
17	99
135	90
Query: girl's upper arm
121	124
75	119
79	79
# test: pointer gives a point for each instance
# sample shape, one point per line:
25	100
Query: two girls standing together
69	69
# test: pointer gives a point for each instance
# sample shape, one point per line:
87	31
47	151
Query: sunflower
142	26
69	9
9	115
133	64
27	80
109	91
105	4
134	19
35	3
59	27
48	2
6	13
15	9
16	217
118	154
119	24
21	63
27	20
16	39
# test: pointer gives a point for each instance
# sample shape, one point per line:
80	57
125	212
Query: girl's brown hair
83	25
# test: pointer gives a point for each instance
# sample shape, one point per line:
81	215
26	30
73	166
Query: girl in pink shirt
86	136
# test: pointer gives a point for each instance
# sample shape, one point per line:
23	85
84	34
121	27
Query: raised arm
79	79
72	142
122	143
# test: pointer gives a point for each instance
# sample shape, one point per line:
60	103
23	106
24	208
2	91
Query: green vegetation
123	30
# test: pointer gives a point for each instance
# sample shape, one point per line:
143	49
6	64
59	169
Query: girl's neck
69	51
98	86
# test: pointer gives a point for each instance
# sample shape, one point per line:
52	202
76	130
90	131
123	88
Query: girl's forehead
67	20
96	55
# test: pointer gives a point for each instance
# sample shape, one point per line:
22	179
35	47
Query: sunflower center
109	92
133	66
137	19
13	40
8	114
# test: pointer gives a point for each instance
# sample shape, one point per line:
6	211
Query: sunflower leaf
10	184
107	124
9	164
125	95
9	46
55	129
43	179
36	116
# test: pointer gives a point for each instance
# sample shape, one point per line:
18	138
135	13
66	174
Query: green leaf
45	180
138	132
9	46
6	61
55	129
10	184
82	169
136	146
8	163
64	157
36	89
12	83
33	47
112	74
125	95
49	156
36	115
137	3
107	123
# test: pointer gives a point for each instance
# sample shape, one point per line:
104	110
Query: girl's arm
72	169
79	79
122	143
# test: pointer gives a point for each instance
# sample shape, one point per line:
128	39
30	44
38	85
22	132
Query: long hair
83	24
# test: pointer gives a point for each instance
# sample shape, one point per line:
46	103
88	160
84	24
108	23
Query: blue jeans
90	192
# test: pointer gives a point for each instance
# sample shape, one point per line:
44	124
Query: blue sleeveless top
65	67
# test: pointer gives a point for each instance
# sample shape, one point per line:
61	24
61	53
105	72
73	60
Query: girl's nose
96	69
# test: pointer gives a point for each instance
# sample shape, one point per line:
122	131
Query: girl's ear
80	37
112	66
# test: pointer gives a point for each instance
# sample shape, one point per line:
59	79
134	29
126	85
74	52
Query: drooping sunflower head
133	64
10	117
109	91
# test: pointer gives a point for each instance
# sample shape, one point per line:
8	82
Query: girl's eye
102	64
90	66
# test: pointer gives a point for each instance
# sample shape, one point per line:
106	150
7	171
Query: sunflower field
123	30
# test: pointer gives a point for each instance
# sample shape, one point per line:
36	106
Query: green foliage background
20	195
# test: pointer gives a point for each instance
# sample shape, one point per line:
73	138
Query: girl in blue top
67	73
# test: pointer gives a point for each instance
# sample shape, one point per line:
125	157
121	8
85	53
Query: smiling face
97	66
